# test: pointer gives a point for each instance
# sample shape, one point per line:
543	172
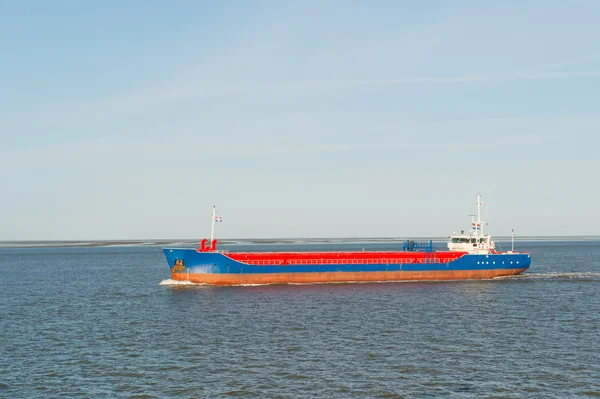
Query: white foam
178	282
253	285
557	275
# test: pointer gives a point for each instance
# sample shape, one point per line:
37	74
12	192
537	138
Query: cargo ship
469	255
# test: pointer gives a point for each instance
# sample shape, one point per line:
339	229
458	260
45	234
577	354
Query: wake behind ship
471	255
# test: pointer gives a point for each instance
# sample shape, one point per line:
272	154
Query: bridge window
460	239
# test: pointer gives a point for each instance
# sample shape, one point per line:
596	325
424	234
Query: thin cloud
141	100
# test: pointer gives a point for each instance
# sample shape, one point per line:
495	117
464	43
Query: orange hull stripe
339	277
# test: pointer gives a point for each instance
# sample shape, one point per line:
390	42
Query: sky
130	120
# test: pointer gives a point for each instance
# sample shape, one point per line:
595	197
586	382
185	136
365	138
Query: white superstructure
475	242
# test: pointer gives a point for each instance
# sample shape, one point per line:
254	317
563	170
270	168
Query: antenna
513	240
479	230
212	232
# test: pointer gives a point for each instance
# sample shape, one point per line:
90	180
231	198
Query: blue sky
123	120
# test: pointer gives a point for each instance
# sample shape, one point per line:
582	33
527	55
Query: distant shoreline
264	241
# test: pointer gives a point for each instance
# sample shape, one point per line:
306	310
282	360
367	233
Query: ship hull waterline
341	277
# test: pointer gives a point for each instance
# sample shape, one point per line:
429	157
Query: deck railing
373	261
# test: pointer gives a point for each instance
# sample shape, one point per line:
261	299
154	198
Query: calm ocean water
96	322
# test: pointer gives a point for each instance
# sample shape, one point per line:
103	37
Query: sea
106	321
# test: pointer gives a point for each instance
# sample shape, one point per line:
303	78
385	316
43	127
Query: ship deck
359	257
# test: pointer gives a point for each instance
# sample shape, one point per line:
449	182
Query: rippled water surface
97	322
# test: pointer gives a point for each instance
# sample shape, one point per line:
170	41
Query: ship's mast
513	241
479	225
212	232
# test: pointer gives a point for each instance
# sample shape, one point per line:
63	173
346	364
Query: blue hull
207	266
